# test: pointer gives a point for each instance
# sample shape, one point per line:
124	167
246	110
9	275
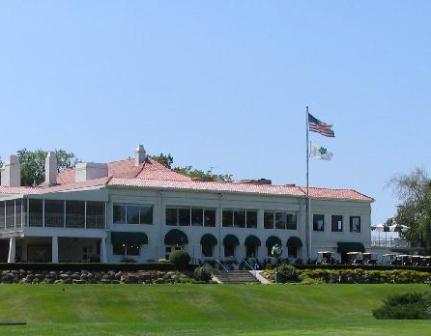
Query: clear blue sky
223	84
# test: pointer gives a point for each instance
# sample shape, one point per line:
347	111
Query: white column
103	258
54	247
12	250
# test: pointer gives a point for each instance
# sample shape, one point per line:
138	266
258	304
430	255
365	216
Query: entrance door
251	251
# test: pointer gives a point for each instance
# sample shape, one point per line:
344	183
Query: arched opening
270	242
208	241
252	244
175	240
293	245
230	242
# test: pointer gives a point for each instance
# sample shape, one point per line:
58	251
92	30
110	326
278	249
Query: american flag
315	125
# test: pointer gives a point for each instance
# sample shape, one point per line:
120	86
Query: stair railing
222	265
252	269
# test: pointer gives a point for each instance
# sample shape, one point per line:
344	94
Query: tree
33	164
167	160
414	192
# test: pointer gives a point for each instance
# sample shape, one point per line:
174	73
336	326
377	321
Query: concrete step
236	276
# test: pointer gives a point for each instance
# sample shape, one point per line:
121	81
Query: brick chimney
51	169
11	172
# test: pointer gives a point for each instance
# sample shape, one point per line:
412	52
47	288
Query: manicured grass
202	310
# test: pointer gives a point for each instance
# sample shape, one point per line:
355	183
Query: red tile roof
152	174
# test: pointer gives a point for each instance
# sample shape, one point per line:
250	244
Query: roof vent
86	171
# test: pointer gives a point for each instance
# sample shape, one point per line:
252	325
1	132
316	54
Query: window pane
95	215
268	220
252	219
54	213
132	214
75	214
228	218
318	223
171	217
239	218
146	214
184	217
355	224
210	218
197	217
119	214
10	214
280	220
2	215
18	205
291	221
337	223
35	212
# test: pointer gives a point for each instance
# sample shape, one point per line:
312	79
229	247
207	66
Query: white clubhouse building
139	209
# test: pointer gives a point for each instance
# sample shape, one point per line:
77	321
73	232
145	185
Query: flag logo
319	152
315	125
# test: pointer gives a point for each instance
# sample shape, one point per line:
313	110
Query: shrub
286	273
202	274
180	259
405	306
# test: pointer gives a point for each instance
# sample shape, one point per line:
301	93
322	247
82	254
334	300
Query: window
337	223
318	223
171	216
280	220
252	219
268	219
119	214
197	217
132	214
239	218
146	214
355	224
35	212
291	221
209	218
95	215
2	215
126	249
75	214
227	218
184	217
18	209
54	213
10	214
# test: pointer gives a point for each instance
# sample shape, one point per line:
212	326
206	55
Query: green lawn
202	310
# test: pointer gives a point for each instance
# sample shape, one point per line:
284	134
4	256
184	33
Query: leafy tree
167	160
414	192
33	164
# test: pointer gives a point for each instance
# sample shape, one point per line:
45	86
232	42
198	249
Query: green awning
230	240
252	241
294	242
208	238
176	237
138	238
344	247
272	240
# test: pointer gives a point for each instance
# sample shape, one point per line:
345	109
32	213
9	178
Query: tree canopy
167	160
414	210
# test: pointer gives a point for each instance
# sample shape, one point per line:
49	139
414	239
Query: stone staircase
236	277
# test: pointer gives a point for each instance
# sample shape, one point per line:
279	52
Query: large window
132	214
318	222
280	220
54	213
190	216
2	215
35	212
337	223
10	214
240	218
95	215
355	224
75	214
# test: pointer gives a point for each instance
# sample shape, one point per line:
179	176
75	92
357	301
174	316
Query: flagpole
307	207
